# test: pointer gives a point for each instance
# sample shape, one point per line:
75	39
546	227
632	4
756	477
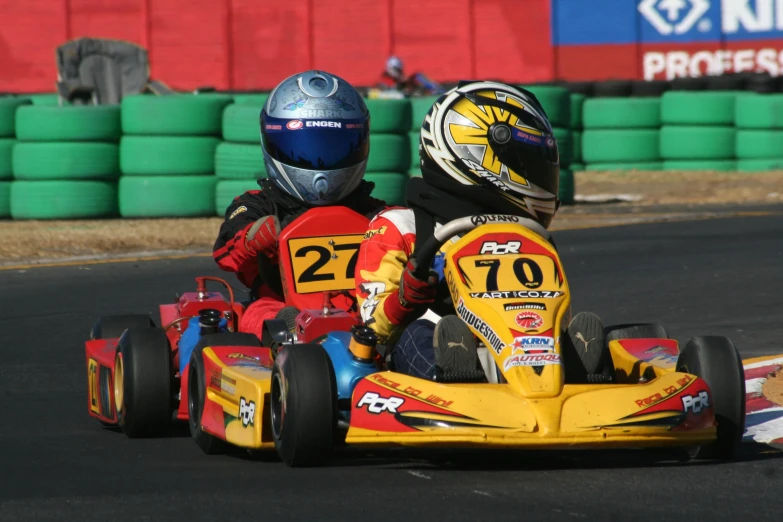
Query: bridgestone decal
480	326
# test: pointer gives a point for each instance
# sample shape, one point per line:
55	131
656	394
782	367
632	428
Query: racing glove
261	237
413	296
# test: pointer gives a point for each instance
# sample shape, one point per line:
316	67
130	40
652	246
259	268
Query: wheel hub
119	383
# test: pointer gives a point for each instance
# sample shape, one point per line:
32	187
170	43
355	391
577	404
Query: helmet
492	144
315	135
394	66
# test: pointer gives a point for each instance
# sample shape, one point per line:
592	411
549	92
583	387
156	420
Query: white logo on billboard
675	16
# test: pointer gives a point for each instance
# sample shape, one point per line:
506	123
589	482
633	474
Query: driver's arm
230	251
383	254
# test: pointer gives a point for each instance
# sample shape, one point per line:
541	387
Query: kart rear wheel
112	326
143	382
635	331
303	405
197	387
717	361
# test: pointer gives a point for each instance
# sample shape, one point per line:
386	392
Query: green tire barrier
615	146
5	199
567	187
8	108
759	112
227	190
565	145
389	186
695	165
622	113
703	143
389	152
414	173
576	140
241	124
759	165
6	153
167	196
420	106
65	161
63	199
577	108
577	167
389	115
698	108
167	155
179	114
556	102
413	141
82	123
626	166
759	144
256	100
239	161
47	100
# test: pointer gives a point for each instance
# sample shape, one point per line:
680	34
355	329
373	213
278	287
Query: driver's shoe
587	337
456	352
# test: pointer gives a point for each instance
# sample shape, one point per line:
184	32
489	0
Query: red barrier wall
253	44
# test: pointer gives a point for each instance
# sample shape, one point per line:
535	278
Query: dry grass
773	388
31	241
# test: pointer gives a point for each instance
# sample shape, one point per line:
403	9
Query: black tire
726	82
112	326
652	88
585	88
635	331
197	387
762	83
612	89
689	84
717	361
143	382
303	405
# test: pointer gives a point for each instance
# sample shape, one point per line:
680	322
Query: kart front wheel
142	382
717	361
303	400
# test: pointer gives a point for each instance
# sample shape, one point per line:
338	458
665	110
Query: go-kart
508	285
142	377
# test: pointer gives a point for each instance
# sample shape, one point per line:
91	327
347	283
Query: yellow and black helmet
492	143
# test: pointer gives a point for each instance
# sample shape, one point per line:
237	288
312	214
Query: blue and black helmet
315	132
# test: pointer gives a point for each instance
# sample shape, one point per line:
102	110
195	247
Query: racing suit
256	272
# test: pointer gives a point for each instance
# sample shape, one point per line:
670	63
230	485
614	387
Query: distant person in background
417	84
307	166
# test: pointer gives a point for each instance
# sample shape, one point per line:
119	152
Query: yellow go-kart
509	286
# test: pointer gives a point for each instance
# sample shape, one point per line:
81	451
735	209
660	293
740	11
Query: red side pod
100	379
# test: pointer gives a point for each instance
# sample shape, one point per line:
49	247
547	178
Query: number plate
92	385
324	263
510	273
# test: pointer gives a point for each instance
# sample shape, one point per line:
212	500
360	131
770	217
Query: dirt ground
631	197
773	388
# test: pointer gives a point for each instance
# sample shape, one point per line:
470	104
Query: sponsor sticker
480	326
696	403
510	307
499	249
247	412
237	212
514	294
294	125
376	404
531	359
533	344
483	219
529	320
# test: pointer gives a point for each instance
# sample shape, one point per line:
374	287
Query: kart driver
315	137
485	148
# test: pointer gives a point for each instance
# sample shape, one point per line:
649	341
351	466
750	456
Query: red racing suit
232	255
383	254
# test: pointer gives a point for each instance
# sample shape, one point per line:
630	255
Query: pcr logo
697	403
492	247
377	404
675	16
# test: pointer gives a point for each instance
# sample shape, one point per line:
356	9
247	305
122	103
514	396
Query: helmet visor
315	144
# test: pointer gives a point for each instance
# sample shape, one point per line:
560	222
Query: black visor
316	144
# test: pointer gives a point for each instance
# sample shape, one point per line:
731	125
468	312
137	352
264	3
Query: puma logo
461	343
581	338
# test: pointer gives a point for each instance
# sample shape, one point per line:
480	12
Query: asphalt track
718	276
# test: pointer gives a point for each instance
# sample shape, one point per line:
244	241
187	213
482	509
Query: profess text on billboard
668	38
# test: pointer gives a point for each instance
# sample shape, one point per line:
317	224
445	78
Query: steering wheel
425	254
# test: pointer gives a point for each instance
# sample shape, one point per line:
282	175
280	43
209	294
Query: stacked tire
389	163
8	108
698	131
577	128
167	155
557	105
621	134
239	159
420	106
65	162
759	140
